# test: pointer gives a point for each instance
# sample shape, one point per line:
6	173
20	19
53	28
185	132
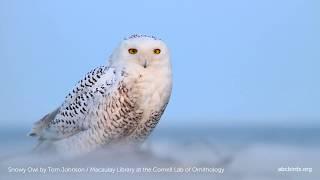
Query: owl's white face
141	52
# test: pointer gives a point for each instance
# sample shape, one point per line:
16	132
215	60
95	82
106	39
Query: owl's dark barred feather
117	115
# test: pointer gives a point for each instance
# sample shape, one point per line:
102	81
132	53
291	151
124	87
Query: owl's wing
70	117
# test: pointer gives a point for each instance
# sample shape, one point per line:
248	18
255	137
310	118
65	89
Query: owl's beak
145	63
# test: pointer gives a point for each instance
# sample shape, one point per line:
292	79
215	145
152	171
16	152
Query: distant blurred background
245	72
234	61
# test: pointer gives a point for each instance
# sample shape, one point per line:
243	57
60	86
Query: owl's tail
38	126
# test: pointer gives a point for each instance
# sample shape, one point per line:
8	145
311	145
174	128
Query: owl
121	101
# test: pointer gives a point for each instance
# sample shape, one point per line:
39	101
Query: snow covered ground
224	153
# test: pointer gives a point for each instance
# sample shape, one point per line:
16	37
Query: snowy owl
119	102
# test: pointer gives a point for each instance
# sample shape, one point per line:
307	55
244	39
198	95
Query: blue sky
233	60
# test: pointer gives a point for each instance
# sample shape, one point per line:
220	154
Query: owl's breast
155	89
154	92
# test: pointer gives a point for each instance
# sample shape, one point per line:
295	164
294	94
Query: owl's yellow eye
132	51
157	51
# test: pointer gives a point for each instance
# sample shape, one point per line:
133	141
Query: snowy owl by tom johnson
120	102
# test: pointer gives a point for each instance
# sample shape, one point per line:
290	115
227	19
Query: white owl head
141	51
